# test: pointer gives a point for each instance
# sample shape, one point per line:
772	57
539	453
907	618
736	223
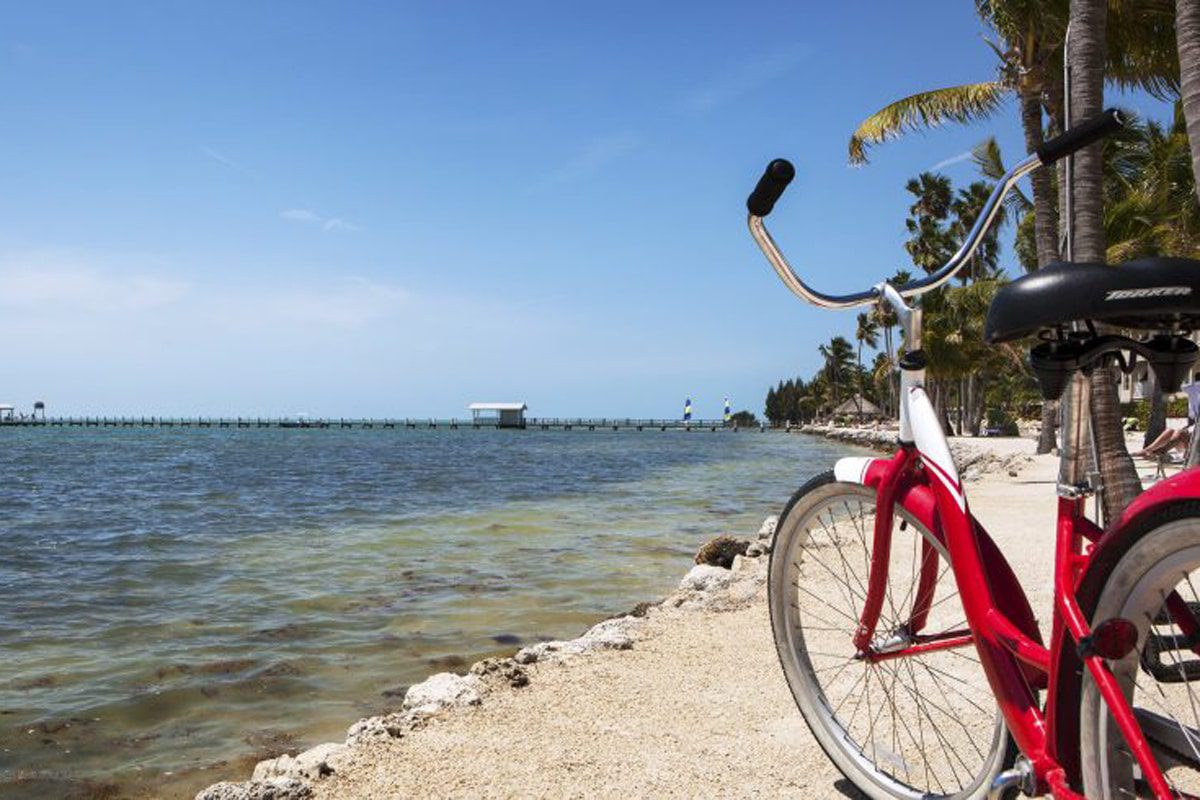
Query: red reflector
1112	639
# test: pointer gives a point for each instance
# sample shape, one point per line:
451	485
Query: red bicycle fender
1184	485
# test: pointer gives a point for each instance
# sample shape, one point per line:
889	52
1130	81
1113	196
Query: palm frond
962	104
988	160
1141	51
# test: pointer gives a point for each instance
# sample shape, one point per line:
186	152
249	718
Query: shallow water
179	603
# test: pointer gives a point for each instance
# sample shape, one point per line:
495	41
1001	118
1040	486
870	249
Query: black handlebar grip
1080	136
775	179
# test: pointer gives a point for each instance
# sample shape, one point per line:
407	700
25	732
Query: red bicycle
906	638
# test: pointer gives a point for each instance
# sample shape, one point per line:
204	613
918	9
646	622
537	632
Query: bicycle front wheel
1153	584
915	726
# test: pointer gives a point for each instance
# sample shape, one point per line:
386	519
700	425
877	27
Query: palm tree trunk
1121	482
962	403
1045	231
975	394
860	386
1158	411
892	390
1045	214
1088	22
1187	37
1047	439
1056	116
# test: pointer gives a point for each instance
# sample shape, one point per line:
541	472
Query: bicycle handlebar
775	179
779	173
1080	136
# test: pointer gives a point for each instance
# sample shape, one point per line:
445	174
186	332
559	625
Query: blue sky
392	209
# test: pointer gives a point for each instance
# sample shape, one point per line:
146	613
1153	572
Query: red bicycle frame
1001	624
923	480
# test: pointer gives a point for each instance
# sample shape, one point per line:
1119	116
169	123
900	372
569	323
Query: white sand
698	707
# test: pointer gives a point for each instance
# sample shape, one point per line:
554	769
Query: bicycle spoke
937	731
845	566
848	591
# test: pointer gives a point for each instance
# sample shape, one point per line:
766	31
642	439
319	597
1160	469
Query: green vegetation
965	376
1140	410
743	419
1135	196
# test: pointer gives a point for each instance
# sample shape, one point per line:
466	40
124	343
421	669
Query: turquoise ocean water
176	604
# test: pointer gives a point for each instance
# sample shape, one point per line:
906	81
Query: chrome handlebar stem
987	217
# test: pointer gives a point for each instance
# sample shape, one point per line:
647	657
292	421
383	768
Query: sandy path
698	706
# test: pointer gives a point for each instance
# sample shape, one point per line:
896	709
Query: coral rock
611	634
311	765
706	578
445	690
501	670
274	789
720	552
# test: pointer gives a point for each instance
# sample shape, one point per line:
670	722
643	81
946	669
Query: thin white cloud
593	157
958	159
226	161
338	224
307	216
743	78
300	215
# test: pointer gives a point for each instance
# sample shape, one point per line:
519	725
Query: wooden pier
531	423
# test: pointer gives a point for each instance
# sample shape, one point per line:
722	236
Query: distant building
859	406
506	415
6	412
1136	385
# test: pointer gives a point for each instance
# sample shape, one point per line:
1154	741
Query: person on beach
1176	438
1167	440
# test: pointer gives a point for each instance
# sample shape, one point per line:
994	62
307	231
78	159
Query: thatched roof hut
857	406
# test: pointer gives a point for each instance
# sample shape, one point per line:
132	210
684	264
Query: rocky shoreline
974	457
731	577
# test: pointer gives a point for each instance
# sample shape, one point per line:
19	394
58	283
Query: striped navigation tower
687	410
728	411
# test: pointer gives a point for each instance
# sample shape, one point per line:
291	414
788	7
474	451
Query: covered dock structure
507	415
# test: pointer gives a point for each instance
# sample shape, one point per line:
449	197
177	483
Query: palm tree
1028	33
966	207
1088	27
1028	46
1088	23
1187	33
866	332
929	243
1151	208
885	315
956	351
988	159
881	376
837	360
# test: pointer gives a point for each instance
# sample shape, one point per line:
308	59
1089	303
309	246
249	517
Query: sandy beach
687	699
